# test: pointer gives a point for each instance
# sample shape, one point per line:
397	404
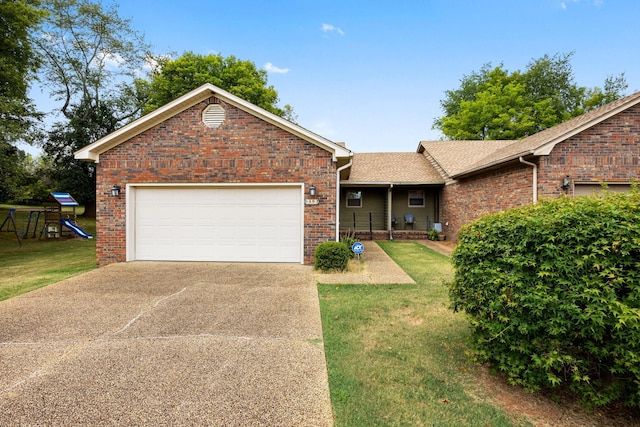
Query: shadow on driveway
167	344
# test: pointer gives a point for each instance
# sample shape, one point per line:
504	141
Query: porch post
390	204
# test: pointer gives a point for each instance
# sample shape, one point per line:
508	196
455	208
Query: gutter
535	178
340	169
490	165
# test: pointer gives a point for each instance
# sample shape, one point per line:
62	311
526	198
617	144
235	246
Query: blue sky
372	73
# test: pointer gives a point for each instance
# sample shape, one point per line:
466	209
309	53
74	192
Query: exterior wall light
312	190
115	190
566	183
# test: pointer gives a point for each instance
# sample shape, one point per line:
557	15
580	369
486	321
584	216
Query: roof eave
545	149
92	151
388	183
491	165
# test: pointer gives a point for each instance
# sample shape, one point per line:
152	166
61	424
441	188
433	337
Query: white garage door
257	224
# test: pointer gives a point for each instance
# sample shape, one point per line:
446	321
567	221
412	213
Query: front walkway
378	268
445	247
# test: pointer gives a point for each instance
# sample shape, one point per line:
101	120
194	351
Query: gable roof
460	158
128	131
392	168
453	157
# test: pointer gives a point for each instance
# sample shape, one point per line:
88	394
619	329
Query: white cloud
328	28
273	69
596	3
108	60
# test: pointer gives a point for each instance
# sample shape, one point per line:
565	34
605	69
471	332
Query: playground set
57	216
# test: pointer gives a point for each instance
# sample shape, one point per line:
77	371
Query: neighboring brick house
573	158
463	180
211	177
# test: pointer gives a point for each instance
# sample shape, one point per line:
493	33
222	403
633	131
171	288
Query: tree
496	104
91	55
174	78
64	139
18	63
21	176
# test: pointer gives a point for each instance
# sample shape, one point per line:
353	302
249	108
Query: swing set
58	215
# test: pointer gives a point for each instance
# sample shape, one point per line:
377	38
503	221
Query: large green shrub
553	294
332	256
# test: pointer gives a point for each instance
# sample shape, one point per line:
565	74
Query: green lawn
396	354
39	263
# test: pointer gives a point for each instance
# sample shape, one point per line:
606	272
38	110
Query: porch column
390	205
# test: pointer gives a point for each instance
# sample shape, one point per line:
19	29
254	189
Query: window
354	199
416	199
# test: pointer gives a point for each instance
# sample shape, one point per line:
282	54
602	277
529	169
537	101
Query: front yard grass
396	353
38	263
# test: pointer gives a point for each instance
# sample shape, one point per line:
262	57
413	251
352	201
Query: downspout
340	169
535	178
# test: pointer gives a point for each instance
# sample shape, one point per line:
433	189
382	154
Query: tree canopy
494	103
175	77
18	63
90	59
91	55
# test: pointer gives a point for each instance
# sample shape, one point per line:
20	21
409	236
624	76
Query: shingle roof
454	157
457	158
394	168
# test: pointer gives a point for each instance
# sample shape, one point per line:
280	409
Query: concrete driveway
167	344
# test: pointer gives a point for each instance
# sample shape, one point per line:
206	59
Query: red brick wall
244	149
609	152
470	198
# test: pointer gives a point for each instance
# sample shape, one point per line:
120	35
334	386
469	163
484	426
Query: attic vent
213	116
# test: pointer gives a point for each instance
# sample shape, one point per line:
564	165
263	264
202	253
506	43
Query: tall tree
83	124
18	63
496	104
91	57
175	77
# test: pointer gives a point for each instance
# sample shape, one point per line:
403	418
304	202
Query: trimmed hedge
552	291
332	256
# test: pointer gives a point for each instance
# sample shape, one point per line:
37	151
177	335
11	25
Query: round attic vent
213	116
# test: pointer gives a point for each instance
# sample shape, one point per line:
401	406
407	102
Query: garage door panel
261	224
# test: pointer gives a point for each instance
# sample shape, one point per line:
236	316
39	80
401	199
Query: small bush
553	294
332	256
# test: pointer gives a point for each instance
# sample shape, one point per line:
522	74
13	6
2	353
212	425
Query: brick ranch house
451	183
211	177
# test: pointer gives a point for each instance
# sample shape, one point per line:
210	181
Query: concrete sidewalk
378	268
167	344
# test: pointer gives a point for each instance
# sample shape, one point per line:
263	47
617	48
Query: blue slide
73	227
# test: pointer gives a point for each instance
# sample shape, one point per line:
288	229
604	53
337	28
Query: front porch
386	211
393	235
